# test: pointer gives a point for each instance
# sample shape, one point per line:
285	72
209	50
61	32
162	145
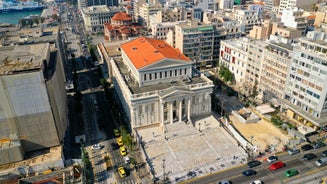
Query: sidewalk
141	172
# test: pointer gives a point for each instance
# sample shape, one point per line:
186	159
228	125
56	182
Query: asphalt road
308	172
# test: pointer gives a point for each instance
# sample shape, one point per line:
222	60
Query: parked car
324	153
293	151
306	147
256	182
127	160
253	163
309	156
96	146
272	159
319	145
276	165
122	172
123	151
249	172
225	182
120	141
291	172
116	132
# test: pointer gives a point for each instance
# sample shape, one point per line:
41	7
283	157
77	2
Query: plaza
189	150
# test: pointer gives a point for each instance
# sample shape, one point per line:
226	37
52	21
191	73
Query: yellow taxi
123	151
116	132
122	172
120	141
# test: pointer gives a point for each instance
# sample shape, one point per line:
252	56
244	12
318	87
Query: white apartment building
307	5
145	11
306	87
204	4
225	4
246	18
159	87
95	16
276	62
292	17
233	56
160	30
254	65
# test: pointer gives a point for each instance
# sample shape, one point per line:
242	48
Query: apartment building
195	40
96	16
303	4
247	17
321	16
143	12
160	30
255	51
233	56
270	5
204	4
276	62
293	17
226	27
226	4
305	97
174	14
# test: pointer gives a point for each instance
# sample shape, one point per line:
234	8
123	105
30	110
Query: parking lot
190	150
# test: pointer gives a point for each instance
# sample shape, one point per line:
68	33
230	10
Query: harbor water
13	17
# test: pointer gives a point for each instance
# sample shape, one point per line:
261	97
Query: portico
175	110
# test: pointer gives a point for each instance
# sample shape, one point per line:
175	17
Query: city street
308	172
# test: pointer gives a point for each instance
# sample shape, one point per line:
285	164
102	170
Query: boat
15	6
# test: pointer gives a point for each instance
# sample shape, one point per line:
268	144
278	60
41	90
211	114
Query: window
144	77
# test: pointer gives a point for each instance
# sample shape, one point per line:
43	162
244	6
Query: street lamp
163	168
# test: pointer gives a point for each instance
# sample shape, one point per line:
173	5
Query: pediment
165	63
175	92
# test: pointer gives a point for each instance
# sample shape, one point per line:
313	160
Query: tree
226	74
36	20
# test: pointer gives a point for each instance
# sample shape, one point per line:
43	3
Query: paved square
186	149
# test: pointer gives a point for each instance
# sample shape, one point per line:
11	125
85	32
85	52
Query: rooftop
135	89
146	51
120	16
22	58
96	9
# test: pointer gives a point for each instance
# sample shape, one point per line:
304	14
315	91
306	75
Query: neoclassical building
156	84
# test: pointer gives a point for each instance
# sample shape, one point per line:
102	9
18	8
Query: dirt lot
264	133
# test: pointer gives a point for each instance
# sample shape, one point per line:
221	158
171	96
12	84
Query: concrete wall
28	112
13	153
57	96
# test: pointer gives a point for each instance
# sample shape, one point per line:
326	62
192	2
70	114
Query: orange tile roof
146	51
121	16
311	17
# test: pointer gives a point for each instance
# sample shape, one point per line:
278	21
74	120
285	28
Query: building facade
158	87
96	16
306	87
32	92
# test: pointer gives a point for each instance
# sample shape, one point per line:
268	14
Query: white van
321	162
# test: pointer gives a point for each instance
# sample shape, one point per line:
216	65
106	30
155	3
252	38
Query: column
171	112
189	109
180	110
162	113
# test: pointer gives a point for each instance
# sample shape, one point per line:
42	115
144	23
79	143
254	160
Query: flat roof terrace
134	86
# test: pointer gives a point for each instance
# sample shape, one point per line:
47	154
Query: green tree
227	75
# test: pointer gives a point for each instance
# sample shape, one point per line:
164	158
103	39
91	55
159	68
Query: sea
13	17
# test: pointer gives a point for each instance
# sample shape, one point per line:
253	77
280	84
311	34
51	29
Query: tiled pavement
187	152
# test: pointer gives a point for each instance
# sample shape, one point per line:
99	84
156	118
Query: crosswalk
128	182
